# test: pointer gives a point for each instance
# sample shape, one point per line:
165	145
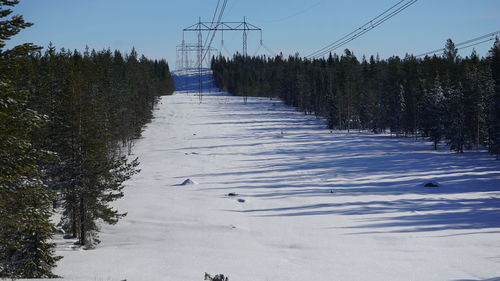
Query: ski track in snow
317	205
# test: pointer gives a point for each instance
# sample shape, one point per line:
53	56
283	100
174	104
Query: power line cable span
376	21
352	32
212	23
473	42
219	19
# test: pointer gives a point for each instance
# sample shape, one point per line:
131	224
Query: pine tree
410	96
413	94
495	100
450	51
393	92
478	88
398	114
455	117
432	113
25	203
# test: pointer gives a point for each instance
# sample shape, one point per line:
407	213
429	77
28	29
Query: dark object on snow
218	277
431	184
232	194
188	182
241	200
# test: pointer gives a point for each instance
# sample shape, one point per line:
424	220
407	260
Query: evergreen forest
68	120
447	99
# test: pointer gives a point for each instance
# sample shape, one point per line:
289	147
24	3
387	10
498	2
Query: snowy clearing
305	204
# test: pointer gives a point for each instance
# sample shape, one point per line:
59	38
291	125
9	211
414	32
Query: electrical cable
256	51
475	44
352	32
212	23
441	50
366	29
305	10
269	50
378	20
221	13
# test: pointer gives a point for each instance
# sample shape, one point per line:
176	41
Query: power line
200	27
307	9
490	36
365	28
352	32
213	19
219	19
378	20
221	13
269	50
479	43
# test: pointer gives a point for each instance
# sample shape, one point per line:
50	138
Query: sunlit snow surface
316	205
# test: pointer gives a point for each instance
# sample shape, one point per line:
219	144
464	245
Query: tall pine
25	202
495	101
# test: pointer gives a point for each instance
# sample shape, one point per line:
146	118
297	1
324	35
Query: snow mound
188	182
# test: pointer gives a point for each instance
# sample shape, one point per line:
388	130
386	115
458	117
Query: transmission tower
185	53
201	27
202	51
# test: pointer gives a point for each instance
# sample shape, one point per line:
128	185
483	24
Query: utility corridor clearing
310	204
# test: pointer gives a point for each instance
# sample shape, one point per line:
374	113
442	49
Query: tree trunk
83	240
73	221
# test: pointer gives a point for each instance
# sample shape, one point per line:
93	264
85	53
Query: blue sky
154	27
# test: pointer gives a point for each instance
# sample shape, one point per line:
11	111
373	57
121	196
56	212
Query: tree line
443	98
68	120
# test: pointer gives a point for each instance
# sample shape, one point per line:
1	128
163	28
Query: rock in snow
431	184
188	182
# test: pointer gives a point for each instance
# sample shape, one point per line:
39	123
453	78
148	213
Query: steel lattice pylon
201	50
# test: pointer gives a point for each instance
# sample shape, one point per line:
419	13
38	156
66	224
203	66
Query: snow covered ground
316	205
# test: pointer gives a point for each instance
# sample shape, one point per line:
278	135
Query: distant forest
443	98
68	119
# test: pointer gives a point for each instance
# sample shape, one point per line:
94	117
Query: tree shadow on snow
287	154
405	215
489	279
189	81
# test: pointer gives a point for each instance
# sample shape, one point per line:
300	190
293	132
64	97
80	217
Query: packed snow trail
310	204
